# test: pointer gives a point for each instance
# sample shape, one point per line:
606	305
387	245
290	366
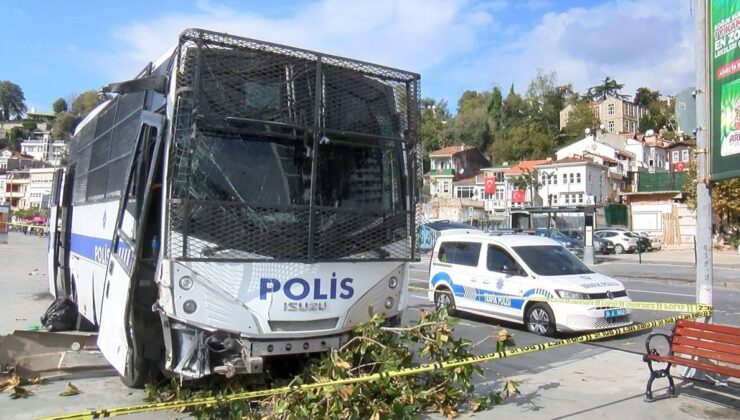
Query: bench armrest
651	351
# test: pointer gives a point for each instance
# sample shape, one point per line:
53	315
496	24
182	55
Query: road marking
660	293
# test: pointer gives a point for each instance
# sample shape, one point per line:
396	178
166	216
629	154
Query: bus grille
295	326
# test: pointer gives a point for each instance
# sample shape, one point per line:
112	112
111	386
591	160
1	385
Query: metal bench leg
654	374
649	388
671	385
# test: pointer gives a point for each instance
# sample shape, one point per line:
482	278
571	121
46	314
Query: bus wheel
139	370
540	319
443	298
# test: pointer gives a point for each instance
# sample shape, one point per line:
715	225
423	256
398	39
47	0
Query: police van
496	276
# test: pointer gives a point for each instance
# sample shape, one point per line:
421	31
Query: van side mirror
511	269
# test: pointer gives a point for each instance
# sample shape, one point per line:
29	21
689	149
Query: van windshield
551	260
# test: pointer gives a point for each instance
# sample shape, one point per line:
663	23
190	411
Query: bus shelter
576	222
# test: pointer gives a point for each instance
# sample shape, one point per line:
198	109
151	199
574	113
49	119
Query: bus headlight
393	282
189	306
388	302
186	283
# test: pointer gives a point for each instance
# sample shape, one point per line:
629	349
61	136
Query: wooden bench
696	345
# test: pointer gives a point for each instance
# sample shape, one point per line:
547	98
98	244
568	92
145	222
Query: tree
83	103
472	100
581	117
469	128
645	97
64	125
725	193
434	115
513	109
522	142
13	139
495	104
545	99
608	87
12	100
60	105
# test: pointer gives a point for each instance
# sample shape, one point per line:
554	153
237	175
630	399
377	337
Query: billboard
724	56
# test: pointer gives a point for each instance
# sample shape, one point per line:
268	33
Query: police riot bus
236	202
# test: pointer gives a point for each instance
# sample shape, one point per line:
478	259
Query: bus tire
139	370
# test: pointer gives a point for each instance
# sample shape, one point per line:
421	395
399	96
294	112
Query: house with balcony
451	164
16	189
574	181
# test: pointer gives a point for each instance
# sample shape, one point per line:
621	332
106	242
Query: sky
54	49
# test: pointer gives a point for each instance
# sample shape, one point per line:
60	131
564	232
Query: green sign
724	52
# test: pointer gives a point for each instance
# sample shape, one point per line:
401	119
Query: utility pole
704	280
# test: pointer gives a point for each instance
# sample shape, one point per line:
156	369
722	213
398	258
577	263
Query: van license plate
613	313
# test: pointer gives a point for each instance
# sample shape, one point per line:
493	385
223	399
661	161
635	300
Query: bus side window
141	162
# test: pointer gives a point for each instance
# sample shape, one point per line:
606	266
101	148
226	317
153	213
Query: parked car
600	245
603	246
623	240
655	243
496	275
643	243
555	234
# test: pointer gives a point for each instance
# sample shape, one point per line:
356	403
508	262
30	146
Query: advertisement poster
724	55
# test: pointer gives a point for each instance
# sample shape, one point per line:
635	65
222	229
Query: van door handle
474	279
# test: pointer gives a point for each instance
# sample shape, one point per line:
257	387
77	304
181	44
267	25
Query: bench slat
708	335
703	344
718	328
709	354
722	370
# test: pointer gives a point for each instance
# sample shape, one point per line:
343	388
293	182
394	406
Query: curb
725	284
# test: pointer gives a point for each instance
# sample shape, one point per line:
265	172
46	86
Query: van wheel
443	298
618	249
540	320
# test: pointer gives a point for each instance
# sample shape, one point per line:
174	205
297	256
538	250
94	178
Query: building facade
573	181
42	147
617	115
679	156
39	187
451	164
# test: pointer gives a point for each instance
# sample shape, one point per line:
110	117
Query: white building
650	152
42	147
39	187
611	146
574	182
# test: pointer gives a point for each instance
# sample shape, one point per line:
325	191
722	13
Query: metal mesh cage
287	154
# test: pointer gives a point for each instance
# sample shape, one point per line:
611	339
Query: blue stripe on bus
97	249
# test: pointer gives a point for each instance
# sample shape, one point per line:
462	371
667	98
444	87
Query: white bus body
237	201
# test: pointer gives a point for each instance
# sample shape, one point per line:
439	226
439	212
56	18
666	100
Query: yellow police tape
653	306
144	408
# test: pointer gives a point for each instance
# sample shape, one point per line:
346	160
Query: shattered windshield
262	171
